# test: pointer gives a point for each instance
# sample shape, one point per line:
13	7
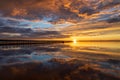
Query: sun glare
74	41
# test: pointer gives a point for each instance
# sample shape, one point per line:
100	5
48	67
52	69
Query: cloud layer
58	18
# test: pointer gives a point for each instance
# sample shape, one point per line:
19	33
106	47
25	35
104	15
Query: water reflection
110	48
61	61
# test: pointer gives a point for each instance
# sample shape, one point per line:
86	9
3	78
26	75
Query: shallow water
61	61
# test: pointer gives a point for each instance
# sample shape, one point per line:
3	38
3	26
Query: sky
60	19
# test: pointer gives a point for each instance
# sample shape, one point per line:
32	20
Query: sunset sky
41	19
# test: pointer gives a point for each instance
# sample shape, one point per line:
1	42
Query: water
61	61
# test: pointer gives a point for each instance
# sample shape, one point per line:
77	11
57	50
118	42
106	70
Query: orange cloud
19	12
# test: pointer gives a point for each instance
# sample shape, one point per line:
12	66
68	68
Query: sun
74	41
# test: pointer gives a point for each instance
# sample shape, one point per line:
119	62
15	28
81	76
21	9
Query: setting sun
74	41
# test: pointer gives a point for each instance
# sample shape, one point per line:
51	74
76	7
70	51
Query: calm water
61	61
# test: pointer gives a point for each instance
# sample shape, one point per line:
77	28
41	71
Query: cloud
95	30
107	3
15	30
58	18
33	9
17	12
114	19
20	28
55	9
86	10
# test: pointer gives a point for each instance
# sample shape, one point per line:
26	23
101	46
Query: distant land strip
14	42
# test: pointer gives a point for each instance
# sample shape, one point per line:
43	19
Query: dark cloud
14	30
43	34
1	24
114	19
13	15
8	22
56	9
27	33
11	28
107	3
67	14
86	10
33	9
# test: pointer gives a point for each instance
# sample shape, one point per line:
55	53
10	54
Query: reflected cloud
98	56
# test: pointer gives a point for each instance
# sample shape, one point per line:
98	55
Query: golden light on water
109	48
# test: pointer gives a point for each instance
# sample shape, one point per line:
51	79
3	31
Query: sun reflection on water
110	48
